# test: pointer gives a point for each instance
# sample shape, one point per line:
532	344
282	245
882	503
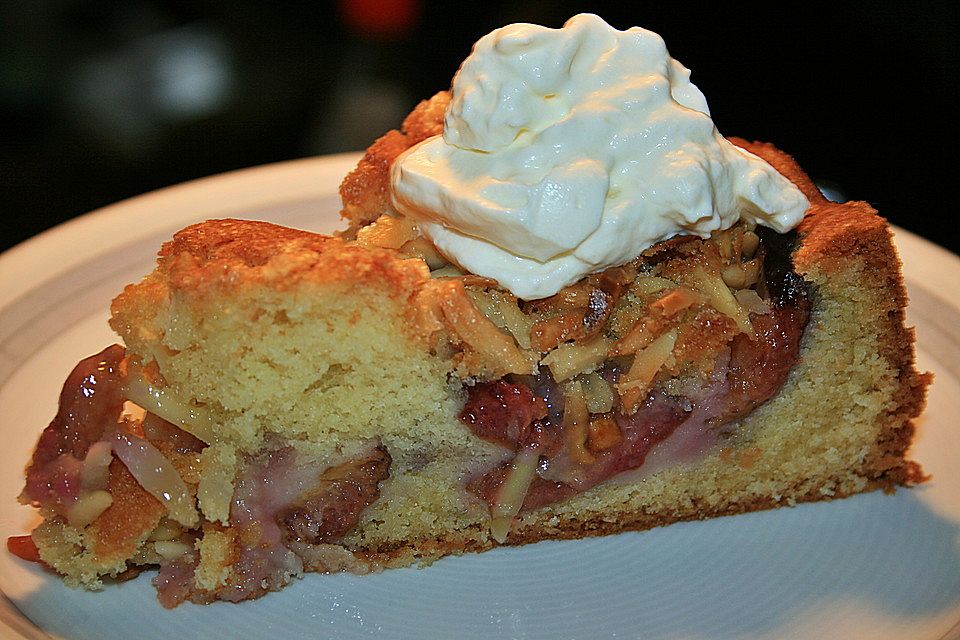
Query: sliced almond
498	350
163	402
568	360
647	363
512	493
647	285
576	420
387	232
166	530
750	243
575	296
422	248
672	303
751	301
720	297
88	508
602	434
504	311
548	333
171	549
640	335
741	275
598	392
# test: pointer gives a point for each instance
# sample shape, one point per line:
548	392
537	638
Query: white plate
870	566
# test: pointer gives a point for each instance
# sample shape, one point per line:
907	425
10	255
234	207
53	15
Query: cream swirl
568	151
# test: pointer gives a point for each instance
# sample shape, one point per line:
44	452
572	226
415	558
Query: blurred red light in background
380	18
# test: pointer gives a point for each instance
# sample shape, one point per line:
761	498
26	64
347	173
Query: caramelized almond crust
207	261
364	191
219	254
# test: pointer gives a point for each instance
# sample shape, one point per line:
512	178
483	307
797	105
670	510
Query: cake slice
288	402
325	405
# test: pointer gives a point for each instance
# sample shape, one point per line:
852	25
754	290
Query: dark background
100	101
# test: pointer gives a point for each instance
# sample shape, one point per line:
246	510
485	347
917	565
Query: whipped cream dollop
568	151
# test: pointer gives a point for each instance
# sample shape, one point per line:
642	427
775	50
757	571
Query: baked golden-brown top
227	253
365	190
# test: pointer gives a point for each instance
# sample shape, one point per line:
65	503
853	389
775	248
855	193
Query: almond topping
603	433
640	335
750	243
576	420
751	301
741	275
499	352
576	296
568	360
598	392
646	364
721	298
502	309
512	492
652	284
674	302
547	334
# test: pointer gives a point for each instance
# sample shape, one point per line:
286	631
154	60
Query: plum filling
287	511
90	404
284	518
330	509
564	447
509	413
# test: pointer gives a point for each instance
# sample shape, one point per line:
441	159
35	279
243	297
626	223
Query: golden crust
218	258
833	233
426	119
365	190
232	253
